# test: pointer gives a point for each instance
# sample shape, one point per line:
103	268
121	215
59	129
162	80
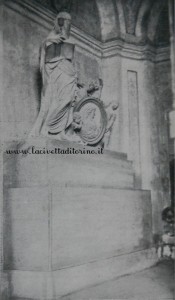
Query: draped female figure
59	81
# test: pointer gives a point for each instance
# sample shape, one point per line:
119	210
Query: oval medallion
94	120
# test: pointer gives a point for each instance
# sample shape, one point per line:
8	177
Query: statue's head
114	105
63	24
76	117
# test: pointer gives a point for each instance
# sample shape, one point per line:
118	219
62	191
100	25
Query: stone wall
22	39
4	292
22	80
143	90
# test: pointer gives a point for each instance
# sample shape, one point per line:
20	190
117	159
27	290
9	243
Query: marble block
71	221
109	169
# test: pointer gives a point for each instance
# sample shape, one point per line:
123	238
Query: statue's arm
111	121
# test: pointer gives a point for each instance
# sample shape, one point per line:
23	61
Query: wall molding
135	51
126	47
44	17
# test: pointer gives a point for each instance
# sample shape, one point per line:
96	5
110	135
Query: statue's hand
80	85
73	102
62	38
56	40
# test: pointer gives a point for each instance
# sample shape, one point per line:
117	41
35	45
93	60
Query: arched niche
152	22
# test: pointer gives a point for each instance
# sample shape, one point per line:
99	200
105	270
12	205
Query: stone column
1	162
134	132
3	280
172	112
172	32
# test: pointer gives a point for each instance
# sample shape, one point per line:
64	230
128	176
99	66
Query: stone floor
156	283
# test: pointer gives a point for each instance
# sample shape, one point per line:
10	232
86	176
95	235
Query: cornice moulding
135	51
119	47
33	11
45	18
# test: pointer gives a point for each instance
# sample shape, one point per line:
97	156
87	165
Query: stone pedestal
4	287
72	221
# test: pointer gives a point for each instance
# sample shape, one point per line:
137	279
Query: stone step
108	170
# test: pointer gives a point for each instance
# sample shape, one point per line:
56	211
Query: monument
75	206
59	81
62	111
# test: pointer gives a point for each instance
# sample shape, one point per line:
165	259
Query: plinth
71	220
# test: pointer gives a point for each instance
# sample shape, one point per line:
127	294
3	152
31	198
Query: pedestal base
4	286
53	285
72	221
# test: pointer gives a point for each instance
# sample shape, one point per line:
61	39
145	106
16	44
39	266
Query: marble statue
110	109
59	81
69	111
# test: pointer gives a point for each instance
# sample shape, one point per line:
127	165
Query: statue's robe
59	84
